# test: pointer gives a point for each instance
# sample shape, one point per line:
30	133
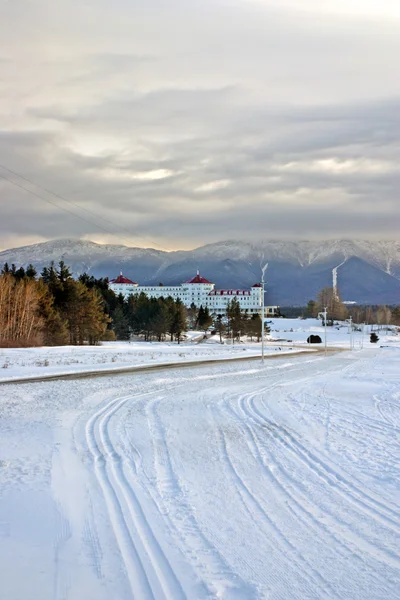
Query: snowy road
227	481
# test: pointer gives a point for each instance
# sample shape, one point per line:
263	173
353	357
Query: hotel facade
200	292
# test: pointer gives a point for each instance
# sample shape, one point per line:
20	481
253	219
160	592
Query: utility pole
323	314
349	321
263	269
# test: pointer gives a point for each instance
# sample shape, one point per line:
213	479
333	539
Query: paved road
162	366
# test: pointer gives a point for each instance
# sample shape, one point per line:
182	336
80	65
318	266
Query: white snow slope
231	481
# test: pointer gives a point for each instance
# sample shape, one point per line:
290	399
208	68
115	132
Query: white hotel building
198	291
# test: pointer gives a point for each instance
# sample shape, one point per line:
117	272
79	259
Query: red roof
124	280
257	285
230	293
198	279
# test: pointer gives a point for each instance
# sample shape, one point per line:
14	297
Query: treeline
165	318
55	309
240	324
52	309
151	318
233	325
336	310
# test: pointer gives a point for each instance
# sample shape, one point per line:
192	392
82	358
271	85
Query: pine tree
55	330
96	321
235	317
192	314
121	324
64	273
31	272
255	326
142	316
179	324
170	306
204	319
159	318
220	327
20	273
312	309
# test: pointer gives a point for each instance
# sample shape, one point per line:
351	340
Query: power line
74	204
53	204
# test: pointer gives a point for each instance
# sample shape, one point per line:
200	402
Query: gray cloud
190	125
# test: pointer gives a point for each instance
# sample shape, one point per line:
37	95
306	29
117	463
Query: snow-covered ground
31	362
232	481
19	363
297	331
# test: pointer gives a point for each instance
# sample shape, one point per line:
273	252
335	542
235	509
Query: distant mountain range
369	272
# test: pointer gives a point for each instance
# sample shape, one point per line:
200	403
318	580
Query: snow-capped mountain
367	272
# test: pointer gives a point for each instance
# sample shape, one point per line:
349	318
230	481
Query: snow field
297	331
30	362
228	481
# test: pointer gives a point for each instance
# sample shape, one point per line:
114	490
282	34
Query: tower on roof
123	280
199	279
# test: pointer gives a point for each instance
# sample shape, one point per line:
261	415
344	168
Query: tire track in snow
61	584
321	467
388	409
90	537
298	499
335	481
303	567
146	565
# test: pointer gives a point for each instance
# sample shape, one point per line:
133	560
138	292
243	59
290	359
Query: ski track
324	469
148	569
207	560
263	520
295	498
332	528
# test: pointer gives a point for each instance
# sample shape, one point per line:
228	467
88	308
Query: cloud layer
186	124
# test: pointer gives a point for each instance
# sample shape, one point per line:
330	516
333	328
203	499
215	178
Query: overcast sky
190	122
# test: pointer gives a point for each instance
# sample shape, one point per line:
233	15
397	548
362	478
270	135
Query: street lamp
263	269
323	314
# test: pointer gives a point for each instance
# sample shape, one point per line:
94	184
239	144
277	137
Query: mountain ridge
297	269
